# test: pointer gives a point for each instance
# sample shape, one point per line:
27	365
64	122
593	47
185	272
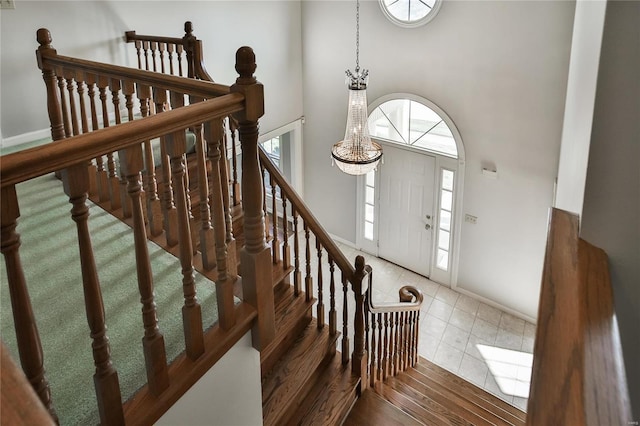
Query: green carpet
49	254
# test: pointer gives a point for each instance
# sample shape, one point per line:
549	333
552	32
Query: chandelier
357	154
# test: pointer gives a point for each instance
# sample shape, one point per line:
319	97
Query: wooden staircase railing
77	90
578	373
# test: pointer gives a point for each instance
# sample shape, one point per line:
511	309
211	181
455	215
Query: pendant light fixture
357	154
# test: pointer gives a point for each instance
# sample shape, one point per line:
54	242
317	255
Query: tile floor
478	342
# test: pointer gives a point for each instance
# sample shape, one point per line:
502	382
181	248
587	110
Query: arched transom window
409	122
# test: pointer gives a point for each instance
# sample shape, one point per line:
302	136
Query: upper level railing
78	92
578	375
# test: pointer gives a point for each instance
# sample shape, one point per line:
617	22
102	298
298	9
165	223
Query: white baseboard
25	138
496	305
342	241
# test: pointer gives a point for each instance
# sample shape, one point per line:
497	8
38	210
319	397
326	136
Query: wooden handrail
578	370
314	225
130	36
33	162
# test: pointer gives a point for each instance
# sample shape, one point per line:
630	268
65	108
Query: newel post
255	255
359	359
48	74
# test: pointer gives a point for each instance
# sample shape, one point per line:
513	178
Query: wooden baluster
359	357
179	50
232	257
394	341
401	341
115	86
407	333
345	320
71	86
297	274
154	209
114	182
264	204
27	336
162	47
138	45
188	41
385	359
416	336
333	315
411	336
380	369
286	251
65	107
308	280
207	242
373	365
168	208
105	377
153	341
275	242
54	105
170	49
255	257
154	48
224	285
320	306
145	47
79	77
191	311
102	176
234	156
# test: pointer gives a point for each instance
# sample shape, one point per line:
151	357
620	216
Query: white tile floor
478	342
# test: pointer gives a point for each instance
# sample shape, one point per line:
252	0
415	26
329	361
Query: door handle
427	227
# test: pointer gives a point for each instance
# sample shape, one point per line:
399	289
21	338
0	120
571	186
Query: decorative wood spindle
393	323
191	311
154	209
207	242
407	342
373	354
275	242
264	204
286	250
153	341
28	338
359	357
256	256
169	212
333	315
71	87
105	377
320	306
308	280
114	183
297	274
345	320
84	122
138	45
66	120
416	336
234	156
232	259
224	285
385	358
115	86
154	49
402	342
179	50
162	47
54	107
379	362
170	50
145	47
102	176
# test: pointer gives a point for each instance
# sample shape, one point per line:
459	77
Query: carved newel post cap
245	65
359	264
44	37
188	28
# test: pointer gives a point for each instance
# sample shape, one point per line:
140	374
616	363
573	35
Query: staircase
428	394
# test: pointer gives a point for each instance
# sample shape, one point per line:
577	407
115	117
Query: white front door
405	225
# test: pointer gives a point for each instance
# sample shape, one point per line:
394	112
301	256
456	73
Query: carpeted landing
49	254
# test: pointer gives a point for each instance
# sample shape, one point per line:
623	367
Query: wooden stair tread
414	409
471	391
331	397
372	406
475	411
286	383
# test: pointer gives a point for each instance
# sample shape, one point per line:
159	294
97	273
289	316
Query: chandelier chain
357	36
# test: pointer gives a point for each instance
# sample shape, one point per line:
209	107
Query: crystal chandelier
357	154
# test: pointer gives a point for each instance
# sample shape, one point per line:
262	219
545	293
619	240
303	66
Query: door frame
450	277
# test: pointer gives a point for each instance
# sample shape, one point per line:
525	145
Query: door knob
427	227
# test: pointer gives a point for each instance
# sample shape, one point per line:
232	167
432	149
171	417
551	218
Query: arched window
409	122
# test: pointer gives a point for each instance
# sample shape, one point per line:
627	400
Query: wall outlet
7	4
471	219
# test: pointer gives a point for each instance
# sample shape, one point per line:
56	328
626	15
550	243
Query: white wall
578	112
95	30
611	213
228	394
499	70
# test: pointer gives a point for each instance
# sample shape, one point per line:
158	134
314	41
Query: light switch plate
7	4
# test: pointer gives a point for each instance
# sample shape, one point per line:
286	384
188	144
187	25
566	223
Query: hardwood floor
430	395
